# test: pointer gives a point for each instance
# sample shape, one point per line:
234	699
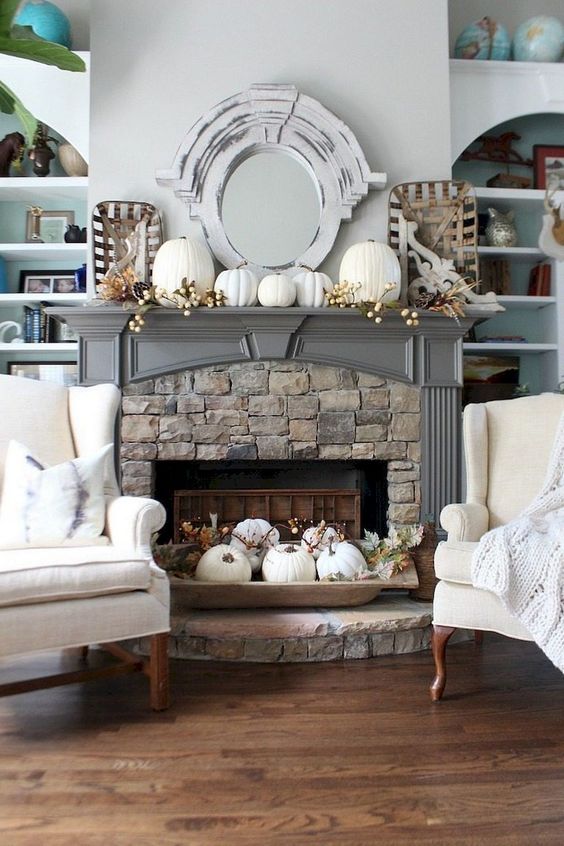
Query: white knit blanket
523	561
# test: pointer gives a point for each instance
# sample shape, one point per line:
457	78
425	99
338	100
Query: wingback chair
507	448
105	591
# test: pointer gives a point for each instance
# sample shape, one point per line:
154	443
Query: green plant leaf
8	10
12	105
39	50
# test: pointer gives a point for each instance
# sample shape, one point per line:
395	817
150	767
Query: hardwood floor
350	754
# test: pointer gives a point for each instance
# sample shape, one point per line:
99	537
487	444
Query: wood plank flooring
347	754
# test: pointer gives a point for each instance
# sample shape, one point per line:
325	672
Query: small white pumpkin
223	563
183	258
316	539
254	533
240	286
288	563
344	558
277	290
310	288
373	266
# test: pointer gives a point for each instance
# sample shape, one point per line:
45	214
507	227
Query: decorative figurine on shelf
46	20
539	39
11	150
41	153
499	149
35	237
501	231
72	234
483	39
80	279
551	238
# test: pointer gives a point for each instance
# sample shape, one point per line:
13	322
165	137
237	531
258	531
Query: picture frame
548	162
60	372
52	225
47	282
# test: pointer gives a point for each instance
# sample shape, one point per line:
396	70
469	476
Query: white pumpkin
254	533
223	563
240	286
277	291
288	563
344	558
310	288
316	539
373	265
256	557
183	258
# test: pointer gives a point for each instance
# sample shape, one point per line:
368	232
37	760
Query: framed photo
63	373
47	282
52	226
548	165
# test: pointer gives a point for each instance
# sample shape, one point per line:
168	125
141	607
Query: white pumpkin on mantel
240	286
277	290
223	563
310	288
183	258
373	266
344	558
288	563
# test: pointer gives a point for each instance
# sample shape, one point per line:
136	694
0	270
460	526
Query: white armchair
507	447
105	591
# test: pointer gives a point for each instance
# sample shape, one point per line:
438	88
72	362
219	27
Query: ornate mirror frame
260	119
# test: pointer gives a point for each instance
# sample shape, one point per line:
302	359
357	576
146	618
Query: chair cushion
453	561
47	506
41	575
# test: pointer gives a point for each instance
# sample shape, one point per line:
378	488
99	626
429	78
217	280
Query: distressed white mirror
271	174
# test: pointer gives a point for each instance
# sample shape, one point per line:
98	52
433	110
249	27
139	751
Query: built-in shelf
54	299
515	301
486	348
44	252
513	253
28	189
26	349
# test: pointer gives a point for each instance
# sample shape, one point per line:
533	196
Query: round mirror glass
270	209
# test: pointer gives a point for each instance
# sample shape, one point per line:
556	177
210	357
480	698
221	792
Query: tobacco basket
116	220
447	219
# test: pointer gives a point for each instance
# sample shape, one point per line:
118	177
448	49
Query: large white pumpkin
223	563
373	265
310	288
277	290
240	286
344	558
318	538
288	563
183	258
254	533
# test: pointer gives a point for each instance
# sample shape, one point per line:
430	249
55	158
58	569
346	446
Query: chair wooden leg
158	672
439	640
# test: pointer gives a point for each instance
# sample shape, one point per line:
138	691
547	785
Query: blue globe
46	20
483	39
540	39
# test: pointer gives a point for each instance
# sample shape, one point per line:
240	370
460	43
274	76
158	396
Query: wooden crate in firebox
276	506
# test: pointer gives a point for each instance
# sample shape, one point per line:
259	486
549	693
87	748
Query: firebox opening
369	478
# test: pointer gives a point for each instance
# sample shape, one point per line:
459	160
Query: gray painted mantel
429	355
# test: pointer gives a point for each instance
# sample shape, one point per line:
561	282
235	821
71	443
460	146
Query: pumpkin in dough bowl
277	290
254	533
318	538
372	266
288	563
311	286
223	563
182	259
340	558
240	286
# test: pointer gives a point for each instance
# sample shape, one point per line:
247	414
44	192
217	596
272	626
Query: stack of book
39	327
539	280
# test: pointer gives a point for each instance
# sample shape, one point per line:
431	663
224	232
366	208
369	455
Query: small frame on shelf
47	282
548	163
52	225
62	373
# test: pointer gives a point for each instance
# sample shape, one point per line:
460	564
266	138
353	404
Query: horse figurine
11	148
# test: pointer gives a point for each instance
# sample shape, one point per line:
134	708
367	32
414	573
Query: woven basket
424	560
121	217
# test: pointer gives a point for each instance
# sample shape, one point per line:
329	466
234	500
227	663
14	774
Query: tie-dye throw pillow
51	506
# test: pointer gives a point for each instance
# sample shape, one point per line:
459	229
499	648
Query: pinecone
139	289
424	300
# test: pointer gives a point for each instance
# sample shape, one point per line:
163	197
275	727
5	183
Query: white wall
510	13
78	12
380	66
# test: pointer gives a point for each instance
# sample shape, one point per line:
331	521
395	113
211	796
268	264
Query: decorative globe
540	39
483	39
46	20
